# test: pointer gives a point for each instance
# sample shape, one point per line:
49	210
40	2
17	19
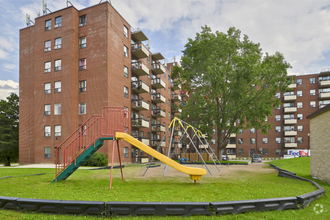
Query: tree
9	129
229	80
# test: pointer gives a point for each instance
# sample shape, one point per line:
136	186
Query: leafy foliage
229	80
98	159
9	129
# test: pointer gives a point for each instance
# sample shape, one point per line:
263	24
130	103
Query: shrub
96	160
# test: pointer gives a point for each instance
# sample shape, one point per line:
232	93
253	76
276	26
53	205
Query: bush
96	160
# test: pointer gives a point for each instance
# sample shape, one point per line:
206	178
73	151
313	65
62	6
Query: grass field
92	185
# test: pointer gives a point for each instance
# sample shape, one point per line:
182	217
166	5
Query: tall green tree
9	129
229	80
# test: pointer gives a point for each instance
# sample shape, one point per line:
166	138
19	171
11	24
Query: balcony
177	133
143	140
322	105
157	56
289	98
157	128
324	95
290	121
203	145
157	68
157	83
290	133
175	86
155	143
325	72
140	123
176	109
176	98
292	86
289	145
139	36
139	105
232	135
158	98
139	68
140	87
231	146
324	83
184	94
290	109
158	113
140	51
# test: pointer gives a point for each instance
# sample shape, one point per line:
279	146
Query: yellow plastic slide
195	173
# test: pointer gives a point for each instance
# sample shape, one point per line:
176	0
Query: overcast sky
299	29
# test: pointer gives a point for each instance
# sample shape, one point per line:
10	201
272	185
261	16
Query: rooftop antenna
28	21
149	45
165	62
68	2
44	7
38	14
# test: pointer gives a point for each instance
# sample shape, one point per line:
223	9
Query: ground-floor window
278	151
252	151
265	151
231	151
126	152
240	151
47	152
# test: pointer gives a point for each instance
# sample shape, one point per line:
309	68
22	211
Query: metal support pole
113	155
121	168
169	147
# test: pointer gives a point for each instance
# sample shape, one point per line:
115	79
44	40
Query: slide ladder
88	138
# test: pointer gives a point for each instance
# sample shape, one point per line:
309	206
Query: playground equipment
114	125
180	125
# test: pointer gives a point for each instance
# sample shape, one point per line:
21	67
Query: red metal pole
113	155
121	169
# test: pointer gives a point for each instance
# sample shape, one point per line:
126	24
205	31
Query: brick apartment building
75	62
290	128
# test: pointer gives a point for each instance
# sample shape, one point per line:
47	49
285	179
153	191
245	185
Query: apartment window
278	128
265	140
278	95
125	31
299	93
126	71
231	151
82	42
278	140
48	25
58	43
125	51
300	140
169	115
57	108
265	151
252	151
278	107
238	121
300	116
240	131
82	108
58	22
82	64
289	140
240	151
240	140
82	20
300	127
288	128
47	151
47	67
278	117
252	140
312	80
125	152
57	130
57	86
47	131
57	65
82	86
125	91
312	104
299	104
252	130
278	152
48	46
47	88
213	141
312	92
299	82
47	110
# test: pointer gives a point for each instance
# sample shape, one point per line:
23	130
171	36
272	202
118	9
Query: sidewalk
45	165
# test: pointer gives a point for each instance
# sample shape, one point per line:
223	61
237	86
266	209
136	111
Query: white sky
299	29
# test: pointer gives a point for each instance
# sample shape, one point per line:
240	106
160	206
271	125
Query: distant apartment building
75	62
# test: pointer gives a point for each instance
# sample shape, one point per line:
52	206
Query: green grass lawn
92	185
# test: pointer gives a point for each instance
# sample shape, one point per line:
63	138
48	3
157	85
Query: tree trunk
7	161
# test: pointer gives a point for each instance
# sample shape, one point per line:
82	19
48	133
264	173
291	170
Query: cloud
7	87
9	66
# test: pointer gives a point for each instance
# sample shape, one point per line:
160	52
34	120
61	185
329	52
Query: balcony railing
175	86
139	105
184	94
157	83
289	145
324	95
289	109
231	146
139	68
175	97
290	133
155	143
158	113
140	51
324	83
292	86
143	140
158	98
140	123
176	109
288	98
177	133
158	68
325	71
157	128
290	121
140	87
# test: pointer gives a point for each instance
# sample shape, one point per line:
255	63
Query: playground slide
195	173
